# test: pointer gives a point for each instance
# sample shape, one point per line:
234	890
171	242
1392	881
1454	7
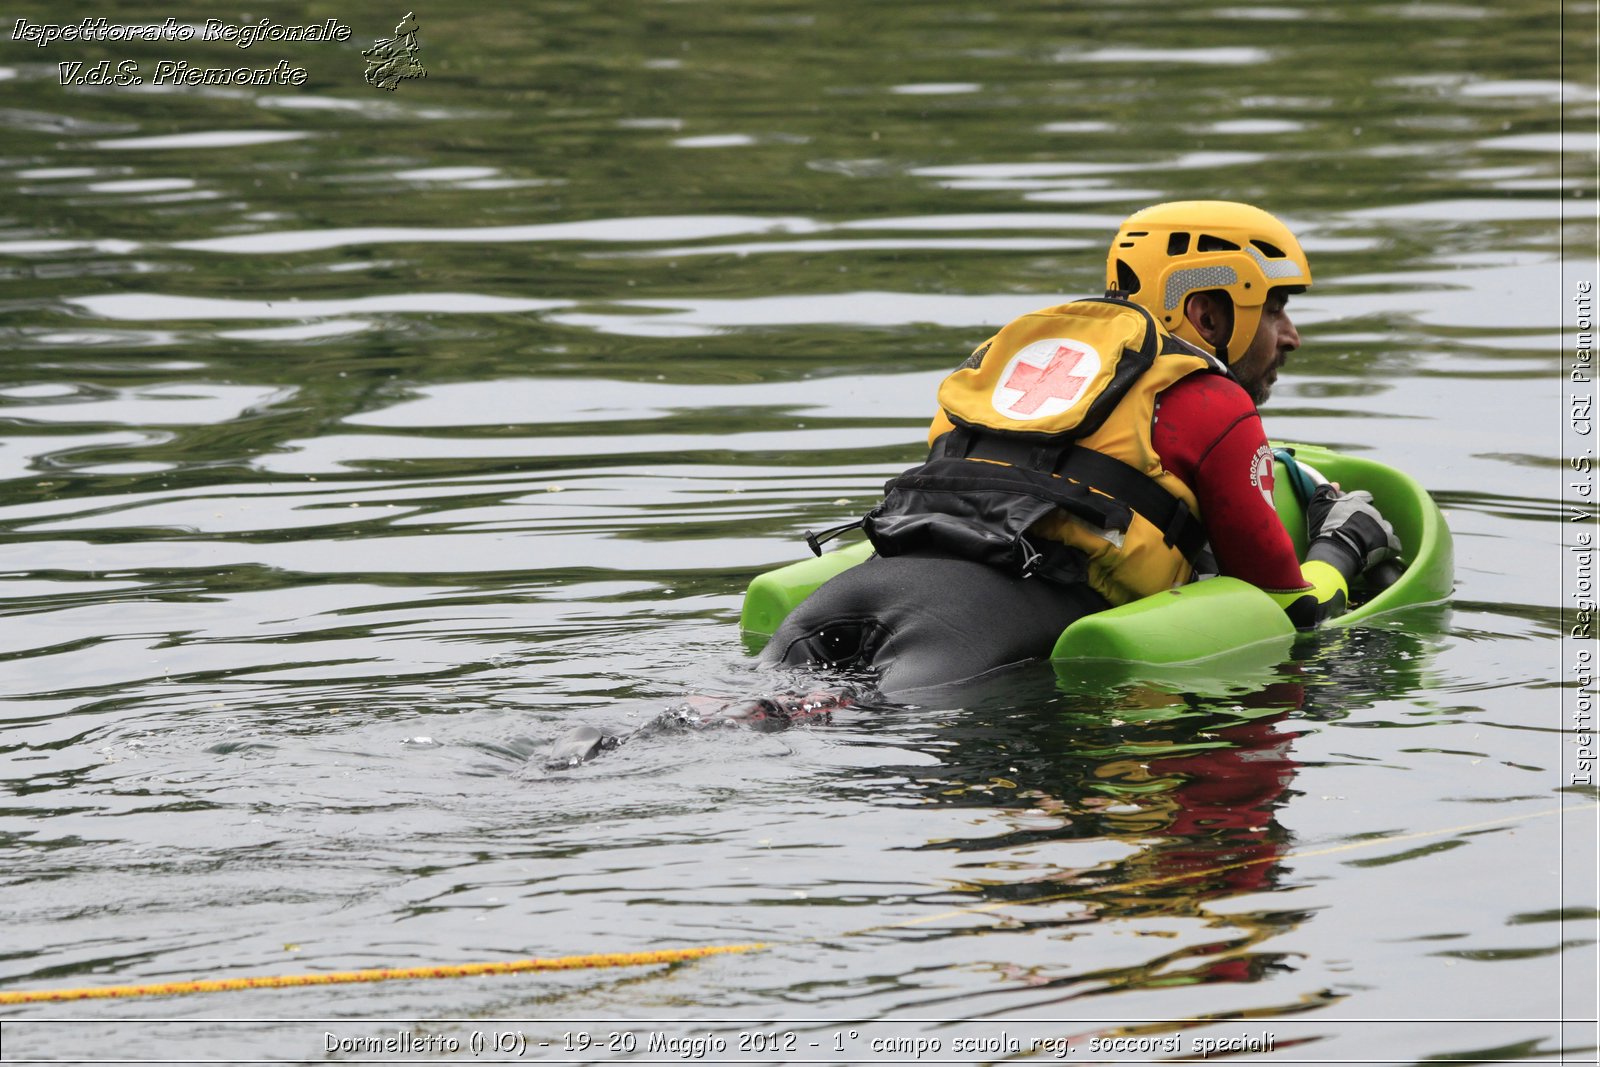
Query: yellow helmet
1165	252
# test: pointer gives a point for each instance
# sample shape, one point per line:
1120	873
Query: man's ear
1210	318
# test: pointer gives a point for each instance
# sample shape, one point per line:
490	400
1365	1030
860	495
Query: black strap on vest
1116	479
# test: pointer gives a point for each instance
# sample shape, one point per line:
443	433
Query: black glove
1347	531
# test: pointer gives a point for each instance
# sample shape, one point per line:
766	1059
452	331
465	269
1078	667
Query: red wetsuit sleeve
1207	432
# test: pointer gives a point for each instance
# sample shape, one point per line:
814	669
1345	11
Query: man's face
1257	366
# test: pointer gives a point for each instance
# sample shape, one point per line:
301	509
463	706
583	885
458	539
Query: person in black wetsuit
1217	276
922	620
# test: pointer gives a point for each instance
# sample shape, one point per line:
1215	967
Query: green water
355	444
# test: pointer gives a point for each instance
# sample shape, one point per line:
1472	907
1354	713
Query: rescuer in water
1093	453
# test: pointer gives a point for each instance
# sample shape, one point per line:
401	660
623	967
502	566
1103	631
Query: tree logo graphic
394	59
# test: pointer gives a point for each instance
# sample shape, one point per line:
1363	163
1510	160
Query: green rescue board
1216	617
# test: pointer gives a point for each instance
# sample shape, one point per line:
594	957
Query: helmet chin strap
1246	320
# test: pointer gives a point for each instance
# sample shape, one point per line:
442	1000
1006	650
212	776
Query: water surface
356	444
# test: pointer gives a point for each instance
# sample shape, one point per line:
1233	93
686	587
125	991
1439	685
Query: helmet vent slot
1210	243
1271	251
1177	244
1127	280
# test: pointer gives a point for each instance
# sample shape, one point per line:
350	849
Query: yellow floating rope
683	955
378	974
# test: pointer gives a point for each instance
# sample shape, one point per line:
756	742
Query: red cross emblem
1261	474
1053	381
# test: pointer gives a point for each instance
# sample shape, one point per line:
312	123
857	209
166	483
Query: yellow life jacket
1043	462
1130	564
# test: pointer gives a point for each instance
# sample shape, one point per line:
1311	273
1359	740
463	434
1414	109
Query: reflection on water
358	444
